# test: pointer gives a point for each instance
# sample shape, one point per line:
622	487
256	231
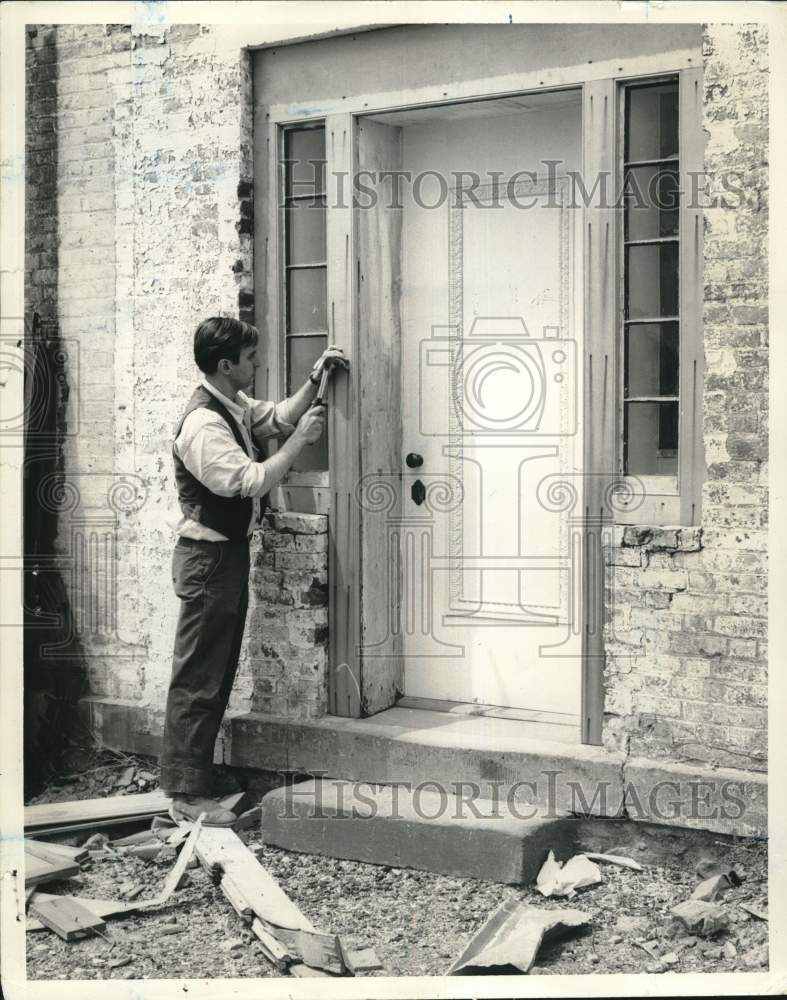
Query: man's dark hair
221	337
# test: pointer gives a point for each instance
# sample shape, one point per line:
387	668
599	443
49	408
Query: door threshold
561	726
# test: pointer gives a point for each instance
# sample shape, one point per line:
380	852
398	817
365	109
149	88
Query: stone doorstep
413	828
415	747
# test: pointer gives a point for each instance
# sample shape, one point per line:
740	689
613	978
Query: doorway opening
487	271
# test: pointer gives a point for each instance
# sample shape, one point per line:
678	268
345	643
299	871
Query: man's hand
330	356
310	426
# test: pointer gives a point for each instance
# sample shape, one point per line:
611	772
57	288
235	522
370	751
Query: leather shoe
189	808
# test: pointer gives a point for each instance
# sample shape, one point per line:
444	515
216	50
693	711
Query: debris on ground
362	960
556	879
415	921
67	917
755	911
45	865
288	938
615	859
512	937
700	917
711	888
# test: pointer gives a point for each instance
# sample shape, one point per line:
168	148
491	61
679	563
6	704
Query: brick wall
284	666
687	633
139	211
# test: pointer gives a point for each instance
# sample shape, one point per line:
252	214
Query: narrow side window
305	267
651	286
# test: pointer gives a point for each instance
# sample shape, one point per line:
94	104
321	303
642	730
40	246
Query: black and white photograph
386	499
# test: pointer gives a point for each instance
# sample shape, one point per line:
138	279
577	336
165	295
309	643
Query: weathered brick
741	627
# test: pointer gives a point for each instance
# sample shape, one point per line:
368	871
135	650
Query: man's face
242	374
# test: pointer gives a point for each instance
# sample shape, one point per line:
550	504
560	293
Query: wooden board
66	916
692	350
95	811
600	380
306	972
172	880
237	900
75	854
344	688
101	907
315	948
47	869
379	263
363	960
272	948
219	847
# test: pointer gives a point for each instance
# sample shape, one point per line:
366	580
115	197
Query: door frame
351	604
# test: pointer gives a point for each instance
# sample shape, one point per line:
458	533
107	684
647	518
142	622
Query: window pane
651	202
652	280
304	149
652	122
305	221
306	300
651	435
302	352
652	360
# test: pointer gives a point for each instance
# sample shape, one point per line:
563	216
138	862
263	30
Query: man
220	485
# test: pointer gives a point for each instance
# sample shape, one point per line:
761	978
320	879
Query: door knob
414	461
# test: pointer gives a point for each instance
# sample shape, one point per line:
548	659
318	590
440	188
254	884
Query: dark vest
228	515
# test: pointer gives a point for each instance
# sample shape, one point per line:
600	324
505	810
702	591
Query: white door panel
490	320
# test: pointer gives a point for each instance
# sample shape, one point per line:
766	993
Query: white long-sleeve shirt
208	449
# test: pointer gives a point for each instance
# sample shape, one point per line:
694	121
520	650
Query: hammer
330	364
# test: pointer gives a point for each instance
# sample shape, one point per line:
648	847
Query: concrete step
418	827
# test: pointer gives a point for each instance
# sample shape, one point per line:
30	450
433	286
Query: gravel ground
417	922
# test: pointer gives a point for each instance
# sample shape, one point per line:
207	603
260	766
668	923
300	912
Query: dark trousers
212	581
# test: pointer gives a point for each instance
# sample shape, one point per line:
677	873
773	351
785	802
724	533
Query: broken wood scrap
135	839
66	916
362	960
251	886
513	935
754	911
314	948
220	847
39	870
77	854
236	899
101	907
111	907
145	852
175	877
271	947
307	972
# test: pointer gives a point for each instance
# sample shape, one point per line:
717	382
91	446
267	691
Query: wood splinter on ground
287	936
